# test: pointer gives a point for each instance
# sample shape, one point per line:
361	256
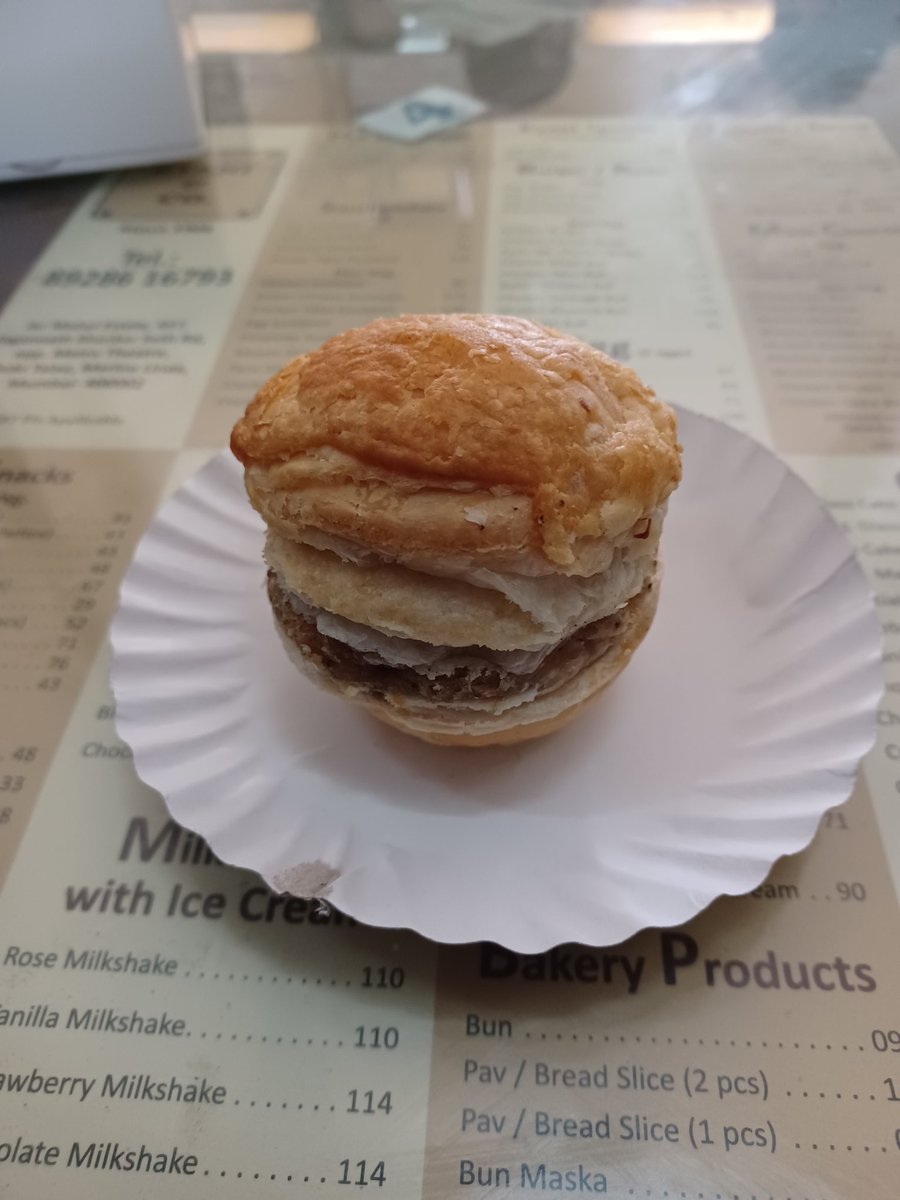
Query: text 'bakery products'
463	519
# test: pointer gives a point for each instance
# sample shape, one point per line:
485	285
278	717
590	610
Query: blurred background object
91	84
301	60
298	61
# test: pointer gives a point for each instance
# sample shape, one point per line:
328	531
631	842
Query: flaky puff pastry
415	471
486	438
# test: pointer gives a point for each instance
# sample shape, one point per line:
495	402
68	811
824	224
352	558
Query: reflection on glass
682	25
254	33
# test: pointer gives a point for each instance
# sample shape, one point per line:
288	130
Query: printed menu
170	1027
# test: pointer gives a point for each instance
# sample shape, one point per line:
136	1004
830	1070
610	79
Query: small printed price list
69	521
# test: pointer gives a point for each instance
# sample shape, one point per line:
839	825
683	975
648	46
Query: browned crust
509	736
416	406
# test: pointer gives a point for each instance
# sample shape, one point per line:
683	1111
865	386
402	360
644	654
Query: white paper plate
740	720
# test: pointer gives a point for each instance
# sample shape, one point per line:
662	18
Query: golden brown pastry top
456	404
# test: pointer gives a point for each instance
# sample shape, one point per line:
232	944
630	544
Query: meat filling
475	679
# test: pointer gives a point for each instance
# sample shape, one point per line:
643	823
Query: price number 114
361	1174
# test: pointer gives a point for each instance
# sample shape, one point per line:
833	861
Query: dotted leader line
264	1038
624	1039
840	1149
263	1177
249	977
830	1095
284	1105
